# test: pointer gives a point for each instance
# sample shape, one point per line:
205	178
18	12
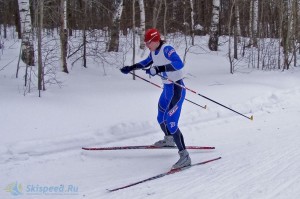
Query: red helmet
152	34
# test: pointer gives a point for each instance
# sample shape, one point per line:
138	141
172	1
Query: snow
42	137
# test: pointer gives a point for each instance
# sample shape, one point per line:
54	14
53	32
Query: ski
142	147
172	171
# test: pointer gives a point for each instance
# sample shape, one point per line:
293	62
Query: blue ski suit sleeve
145	63
176	62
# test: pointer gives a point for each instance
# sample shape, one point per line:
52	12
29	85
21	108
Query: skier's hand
152	71
126	69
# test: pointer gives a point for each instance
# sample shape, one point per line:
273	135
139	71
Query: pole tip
205	107
251	118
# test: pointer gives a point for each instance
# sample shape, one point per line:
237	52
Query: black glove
126	69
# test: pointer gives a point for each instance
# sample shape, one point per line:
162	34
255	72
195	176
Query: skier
165	60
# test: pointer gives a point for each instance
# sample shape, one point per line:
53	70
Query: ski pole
250	118
161	88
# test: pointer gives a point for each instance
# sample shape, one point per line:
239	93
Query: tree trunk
192	22
115	28
84	33
133	36
165	19
39	33
142	23
255	23
26	31
64	35
214	33
285	33
156	11
237	20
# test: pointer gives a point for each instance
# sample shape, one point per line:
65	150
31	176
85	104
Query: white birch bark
64	35
26	31
192	22
65	14
255	22
114	40
142	23
214	35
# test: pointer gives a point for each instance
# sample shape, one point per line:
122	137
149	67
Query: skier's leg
162	110
172	118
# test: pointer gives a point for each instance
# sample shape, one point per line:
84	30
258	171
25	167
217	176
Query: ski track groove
269	164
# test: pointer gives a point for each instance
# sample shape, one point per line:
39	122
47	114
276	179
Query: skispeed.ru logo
14	189
17	189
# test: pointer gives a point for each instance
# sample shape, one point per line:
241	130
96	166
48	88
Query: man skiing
165	60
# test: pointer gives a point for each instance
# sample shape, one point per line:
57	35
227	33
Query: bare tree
156	11
237	18
39	34
115	28
27	35
286	28
214	33
133	35
165	18
253	22
142	23
64	35
192	22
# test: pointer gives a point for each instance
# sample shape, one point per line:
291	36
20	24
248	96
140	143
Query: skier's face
152	45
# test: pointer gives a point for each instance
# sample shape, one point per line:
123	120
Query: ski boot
183	161
166	142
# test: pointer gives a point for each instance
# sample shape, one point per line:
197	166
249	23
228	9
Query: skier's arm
143	64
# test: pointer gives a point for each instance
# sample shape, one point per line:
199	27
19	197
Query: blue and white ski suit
172	96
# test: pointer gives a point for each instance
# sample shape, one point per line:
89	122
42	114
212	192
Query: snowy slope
42	137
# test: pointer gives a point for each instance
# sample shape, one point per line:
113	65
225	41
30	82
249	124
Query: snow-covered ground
41	138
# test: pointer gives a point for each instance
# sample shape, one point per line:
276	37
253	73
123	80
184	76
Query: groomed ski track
258	160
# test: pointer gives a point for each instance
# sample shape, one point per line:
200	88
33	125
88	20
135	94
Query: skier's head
152	39
152	34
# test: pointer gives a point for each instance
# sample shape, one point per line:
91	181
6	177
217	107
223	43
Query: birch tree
142	23
113	45
39	34
253	22
237	27
286	33
64	35
192	22
27	46
213	33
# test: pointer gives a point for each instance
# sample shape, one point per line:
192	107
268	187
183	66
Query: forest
263	34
